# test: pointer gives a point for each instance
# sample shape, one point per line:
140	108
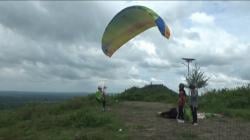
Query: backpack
98	96
187	113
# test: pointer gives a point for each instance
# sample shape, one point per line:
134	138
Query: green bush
230	102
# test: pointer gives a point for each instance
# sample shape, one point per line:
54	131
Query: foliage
230	102
197	77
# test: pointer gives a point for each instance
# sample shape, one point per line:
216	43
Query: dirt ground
143	123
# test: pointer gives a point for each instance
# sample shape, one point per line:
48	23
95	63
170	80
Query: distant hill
150	93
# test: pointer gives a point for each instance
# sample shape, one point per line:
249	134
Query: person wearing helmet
98	94
101	96
99	88
181	103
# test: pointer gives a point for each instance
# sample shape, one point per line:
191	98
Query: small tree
197	77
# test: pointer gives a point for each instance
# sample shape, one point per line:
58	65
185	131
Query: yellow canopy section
127	24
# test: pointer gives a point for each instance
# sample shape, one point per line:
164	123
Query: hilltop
131	114
149	93
229	102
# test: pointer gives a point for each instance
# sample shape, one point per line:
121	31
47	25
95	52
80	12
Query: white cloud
138	82
202	18
57	46
143	45
134	71
157	62
221	80
156	80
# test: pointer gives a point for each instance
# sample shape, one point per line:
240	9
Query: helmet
181	85
192	86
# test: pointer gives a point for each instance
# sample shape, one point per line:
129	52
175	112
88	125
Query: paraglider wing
127	24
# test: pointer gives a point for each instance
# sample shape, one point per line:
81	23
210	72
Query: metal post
188	60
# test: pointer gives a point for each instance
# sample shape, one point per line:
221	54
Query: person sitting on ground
171	114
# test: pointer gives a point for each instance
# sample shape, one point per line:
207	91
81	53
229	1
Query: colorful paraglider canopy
128	23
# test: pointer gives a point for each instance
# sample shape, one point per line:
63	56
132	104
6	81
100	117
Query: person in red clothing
181	103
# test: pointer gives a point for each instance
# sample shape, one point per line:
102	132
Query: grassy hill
80	118
229	102
150	93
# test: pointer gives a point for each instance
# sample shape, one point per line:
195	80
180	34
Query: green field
78	118
81	118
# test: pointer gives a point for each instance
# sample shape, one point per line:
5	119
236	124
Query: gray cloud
57	46
56	21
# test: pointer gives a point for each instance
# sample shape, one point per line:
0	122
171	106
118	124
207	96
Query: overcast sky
56	46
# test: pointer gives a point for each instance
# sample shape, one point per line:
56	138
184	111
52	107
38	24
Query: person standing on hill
194	103
98	94
181	103
101	96
104	98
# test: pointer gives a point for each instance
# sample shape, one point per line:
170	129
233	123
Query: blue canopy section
161	25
